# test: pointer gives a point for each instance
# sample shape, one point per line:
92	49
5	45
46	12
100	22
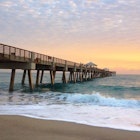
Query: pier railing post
66	66
53	64
32	56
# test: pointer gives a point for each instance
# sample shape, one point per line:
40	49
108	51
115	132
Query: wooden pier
15	58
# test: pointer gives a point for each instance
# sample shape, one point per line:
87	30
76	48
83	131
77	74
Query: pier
15	58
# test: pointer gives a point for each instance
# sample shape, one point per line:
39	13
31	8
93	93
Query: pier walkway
15	58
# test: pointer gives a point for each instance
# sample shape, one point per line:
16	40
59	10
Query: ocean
112	102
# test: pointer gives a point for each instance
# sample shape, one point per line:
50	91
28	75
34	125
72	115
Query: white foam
113	117
96	99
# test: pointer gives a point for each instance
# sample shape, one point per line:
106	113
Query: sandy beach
24	128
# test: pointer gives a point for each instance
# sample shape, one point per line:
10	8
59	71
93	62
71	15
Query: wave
95	99
120	88
68	98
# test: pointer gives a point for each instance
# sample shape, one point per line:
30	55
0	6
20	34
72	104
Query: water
112	102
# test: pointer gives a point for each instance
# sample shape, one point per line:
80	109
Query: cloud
70	20
7	4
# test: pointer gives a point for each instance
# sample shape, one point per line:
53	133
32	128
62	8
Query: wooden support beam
11	87
37	77
64	80
30	80
42	73
91	74
52	75
77	76
85	75
95	74
74	77
23	77
70	76
80	76
88	75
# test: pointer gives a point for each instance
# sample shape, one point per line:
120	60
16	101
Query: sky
106	32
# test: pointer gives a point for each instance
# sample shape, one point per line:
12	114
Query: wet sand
24	128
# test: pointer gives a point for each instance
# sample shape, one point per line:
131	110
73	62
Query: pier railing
16	54
12	53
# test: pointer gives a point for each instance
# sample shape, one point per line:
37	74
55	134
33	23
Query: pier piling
64	80
30	80
52	76
37	77
11	87
23	77
42	74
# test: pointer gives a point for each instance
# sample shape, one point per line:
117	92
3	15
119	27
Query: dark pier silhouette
15	58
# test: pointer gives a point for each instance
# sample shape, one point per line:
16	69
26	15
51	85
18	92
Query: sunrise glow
105	32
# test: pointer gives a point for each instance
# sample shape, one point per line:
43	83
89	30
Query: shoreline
14	127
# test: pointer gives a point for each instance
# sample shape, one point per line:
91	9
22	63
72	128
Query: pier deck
15	58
